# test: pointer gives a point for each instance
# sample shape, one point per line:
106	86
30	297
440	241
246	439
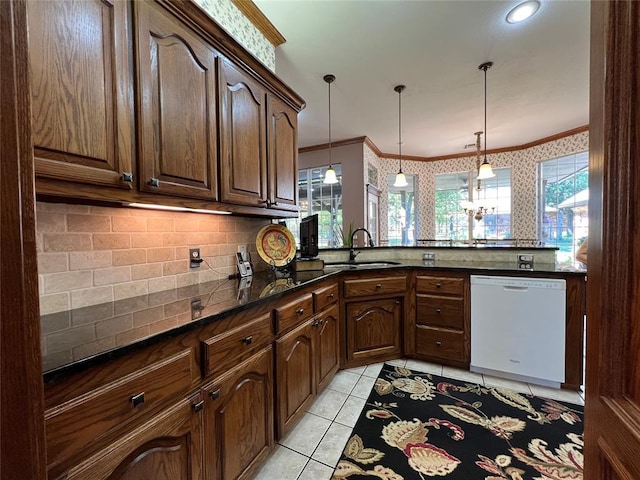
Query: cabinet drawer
438	343
227	349
374	286
440	285
78	422
325	296
294	312
440	311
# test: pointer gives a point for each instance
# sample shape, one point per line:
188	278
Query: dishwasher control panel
550	283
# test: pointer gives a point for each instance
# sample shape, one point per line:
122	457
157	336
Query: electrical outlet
242	249
194	258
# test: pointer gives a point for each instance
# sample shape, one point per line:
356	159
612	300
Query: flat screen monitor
309	236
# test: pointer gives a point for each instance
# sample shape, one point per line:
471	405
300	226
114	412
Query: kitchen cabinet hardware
438	344
331	295
154	182
300	311
438	285
378	286
247	340
137	400
438	310
127	177
215	394
197	407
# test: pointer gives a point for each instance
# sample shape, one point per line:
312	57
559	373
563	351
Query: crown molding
260	21
376	150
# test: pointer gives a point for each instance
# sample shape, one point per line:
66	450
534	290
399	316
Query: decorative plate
276	245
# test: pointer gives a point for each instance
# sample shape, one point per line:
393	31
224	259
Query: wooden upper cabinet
243	150
282	168
82	91
177	106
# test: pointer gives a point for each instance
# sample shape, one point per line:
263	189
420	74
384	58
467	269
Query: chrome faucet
352	252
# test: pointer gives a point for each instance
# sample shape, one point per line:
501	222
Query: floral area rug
418	426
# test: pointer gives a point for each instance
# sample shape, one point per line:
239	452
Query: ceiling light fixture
330	177
523	11
485	171
401	179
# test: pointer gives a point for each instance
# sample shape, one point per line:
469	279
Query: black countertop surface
78	339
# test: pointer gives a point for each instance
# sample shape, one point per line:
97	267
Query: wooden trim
417	158
260	21
21	392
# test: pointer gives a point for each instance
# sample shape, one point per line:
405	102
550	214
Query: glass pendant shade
401	180
485	171
330	176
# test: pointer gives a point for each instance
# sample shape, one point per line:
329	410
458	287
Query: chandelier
476	209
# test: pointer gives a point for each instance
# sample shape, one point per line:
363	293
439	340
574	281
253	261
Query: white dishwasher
518	328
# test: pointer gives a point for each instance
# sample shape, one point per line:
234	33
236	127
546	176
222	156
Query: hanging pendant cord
485	112
399	89
330	162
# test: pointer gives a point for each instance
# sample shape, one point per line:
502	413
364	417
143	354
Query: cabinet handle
300	311
137	400
127	177
215	395
438	310
267	202
198	406
438	344
154	182
273	204
247	340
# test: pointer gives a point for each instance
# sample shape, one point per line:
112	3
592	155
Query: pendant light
485	170
401	179
330	177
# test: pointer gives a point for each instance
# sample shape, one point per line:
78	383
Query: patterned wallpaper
523	181
240	28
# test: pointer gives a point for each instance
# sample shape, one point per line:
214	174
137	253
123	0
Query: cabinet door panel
373	328
239	419
328	353
81	86
177	77
283	155
296	374
243	164
167	447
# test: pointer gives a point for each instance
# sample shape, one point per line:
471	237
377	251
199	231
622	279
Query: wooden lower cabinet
166	447
307	358
374	329
238	430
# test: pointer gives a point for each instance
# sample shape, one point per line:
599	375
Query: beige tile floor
312	449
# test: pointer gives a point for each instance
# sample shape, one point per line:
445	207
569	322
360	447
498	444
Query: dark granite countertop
77	339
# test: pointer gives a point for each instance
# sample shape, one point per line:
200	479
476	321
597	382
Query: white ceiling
538	85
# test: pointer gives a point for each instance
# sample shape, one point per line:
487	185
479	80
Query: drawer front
294	312
375	286
440	285
440	311
78	422
226	350
437	343
325	296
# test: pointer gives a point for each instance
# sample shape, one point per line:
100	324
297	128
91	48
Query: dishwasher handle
514	288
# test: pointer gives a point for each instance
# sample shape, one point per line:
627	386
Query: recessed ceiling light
523	11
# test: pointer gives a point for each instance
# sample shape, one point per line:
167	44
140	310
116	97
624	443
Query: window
488	214
325	200
563	197
401	212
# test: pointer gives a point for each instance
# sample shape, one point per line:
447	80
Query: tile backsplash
89	255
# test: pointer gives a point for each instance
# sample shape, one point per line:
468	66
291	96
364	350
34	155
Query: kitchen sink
354	265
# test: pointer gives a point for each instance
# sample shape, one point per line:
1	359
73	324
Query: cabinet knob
438	285
378	286
247	340
331	295
127	177
438	310
438	344
215	395
154	182
273	204
320	322
137	400
300	311
267	202
197	407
